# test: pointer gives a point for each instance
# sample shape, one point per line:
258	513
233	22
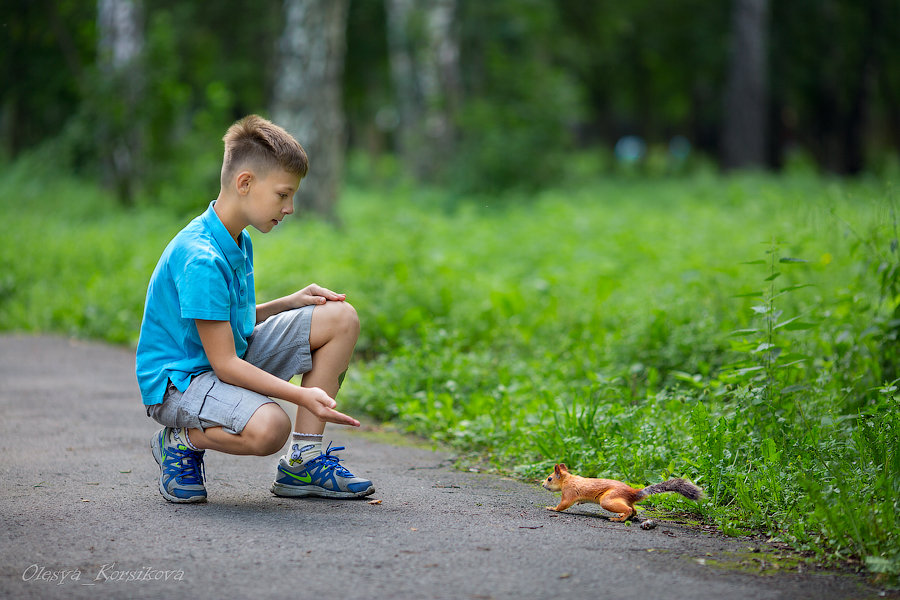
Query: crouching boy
209	359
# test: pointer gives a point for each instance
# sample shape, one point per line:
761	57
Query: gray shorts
279	345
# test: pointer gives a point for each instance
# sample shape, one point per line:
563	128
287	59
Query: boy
209	358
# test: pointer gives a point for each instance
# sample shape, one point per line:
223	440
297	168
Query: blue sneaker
181	470
322	476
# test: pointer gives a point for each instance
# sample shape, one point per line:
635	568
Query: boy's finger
343	419
331	295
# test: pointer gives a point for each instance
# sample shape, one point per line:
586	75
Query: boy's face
270	198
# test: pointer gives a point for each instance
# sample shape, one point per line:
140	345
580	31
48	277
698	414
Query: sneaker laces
335	461
190	462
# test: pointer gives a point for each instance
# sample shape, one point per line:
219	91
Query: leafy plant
767	348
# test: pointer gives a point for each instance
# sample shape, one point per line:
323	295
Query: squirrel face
554	481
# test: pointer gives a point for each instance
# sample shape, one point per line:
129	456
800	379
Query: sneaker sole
292	491
157	456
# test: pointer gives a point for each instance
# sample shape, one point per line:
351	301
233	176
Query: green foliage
73	261
855	487
513	134
624	56
765	348
537	78
199	68
592	326
43	54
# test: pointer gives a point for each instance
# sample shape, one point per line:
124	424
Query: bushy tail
680	486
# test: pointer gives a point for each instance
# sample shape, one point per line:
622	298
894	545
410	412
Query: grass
739	331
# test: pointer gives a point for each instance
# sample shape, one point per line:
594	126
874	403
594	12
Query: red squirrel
611	495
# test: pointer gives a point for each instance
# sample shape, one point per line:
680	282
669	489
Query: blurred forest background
643	238
479	96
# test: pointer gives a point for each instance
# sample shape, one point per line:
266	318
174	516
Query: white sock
305	447
179	436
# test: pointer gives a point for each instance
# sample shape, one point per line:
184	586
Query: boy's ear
242	182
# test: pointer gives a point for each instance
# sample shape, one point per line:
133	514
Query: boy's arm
218	342
311	294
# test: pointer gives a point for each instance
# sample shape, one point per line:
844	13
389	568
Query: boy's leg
223	417
333	331
179	451
264	434
307	470
333	334
210	414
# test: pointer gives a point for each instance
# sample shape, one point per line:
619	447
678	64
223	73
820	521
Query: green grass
632	329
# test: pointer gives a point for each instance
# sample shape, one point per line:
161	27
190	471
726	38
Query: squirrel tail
680	486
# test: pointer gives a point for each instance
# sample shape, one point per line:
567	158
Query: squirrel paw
553	508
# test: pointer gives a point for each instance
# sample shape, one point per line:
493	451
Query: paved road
82	518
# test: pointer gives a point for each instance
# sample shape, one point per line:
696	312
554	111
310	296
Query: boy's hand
311	294
316	294
322	406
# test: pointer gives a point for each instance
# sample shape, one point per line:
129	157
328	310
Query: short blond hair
259	144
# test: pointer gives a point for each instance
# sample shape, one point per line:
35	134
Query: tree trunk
307	96
853	129
845	82
424	59
119	46
744	116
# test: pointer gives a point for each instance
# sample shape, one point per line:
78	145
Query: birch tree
119	47
744	119
424	59
307	95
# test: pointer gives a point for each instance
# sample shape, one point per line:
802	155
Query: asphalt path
82	517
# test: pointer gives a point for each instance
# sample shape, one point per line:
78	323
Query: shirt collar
233	253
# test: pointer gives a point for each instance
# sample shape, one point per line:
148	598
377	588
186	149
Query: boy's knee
333	321
342	317
268	430
348	317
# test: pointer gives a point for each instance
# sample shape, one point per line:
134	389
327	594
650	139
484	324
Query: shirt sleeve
203	290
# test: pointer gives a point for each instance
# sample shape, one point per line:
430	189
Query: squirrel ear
556	469
562	467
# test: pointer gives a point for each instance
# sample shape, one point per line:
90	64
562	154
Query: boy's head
259	145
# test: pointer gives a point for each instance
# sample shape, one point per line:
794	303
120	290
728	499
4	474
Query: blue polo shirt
202	274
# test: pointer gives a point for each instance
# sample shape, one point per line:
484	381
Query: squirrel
611	495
